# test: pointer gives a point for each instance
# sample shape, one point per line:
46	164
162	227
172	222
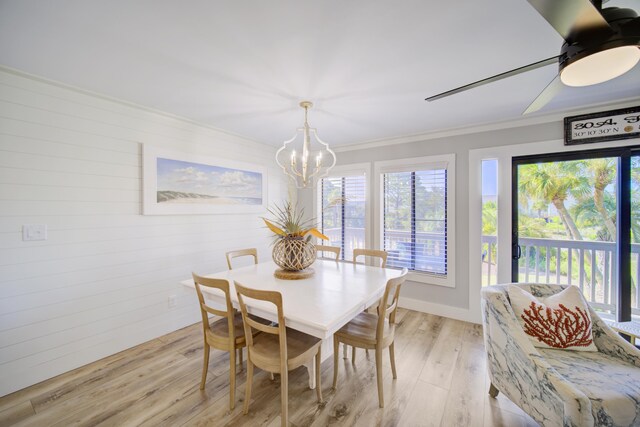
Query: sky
489	177
188	177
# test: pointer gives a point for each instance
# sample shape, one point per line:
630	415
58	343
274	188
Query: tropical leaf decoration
288	223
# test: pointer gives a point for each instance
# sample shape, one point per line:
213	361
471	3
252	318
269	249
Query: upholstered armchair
560	387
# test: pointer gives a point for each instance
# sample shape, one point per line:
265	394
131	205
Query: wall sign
605	126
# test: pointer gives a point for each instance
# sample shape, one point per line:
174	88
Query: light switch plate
33	232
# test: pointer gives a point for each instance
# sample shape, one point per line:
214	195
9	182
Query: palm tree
635	217
554	183
532	227
602	173
635	169
635	198
585	212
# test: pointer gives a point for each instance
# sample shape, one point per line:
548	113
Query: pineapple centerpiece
293	250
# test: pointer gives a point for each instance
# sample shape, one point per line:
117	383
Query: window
416	216
342	210
489	170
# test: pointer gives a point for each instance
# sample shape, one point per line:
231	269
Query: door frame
504	154
623	213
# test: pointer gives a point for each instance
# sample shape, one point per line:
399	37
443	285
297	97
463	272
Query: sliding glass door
576	221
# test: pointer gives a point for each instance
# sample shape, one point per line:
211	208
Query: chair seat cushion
363	329
612	385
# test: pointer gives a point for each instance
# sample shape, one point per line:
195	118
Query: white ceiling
243	66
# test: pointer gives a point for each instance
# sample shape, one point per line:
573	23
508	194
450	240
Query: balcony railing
427	253
590	265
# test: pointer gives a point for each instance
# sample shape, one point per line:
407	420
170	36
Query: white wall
101	282
455	302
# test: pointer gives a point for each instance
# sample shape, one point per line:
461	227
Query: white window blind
415	220
342	211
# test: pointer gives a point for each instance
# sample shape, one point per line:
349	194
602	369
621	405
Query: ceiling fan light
600	66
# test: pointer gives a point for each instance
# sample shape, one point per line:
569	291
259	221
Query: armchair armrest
609	342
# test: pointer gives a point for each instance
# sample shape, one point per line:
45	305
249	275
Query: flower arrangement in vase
293	250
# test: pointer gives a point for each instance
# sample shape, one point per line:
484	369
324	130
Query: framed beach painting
180	183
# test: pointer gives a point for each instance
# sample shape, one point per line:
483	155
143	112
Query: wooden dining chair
241	252
226	334
371	253
277	349
333	249
373	331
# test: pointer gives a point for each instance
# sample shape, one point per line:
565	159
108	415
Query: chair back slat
205	309
333	249
274	298
241	252
262	327
214	311
371	253
386	309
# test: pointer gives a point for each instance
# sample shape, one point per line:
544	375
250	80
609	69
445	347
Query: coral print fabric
559	321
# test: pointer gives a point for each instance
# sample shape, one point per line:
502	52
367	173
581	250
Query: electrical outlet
33	232
172	301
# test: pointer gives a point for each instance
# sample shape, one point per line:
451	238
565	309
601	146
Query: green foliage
533	227
570	200
354	205
429	202
489	218
588	186
331	209
591	221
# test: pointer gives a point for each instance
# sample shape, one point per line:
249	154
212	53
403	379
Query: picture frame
603	126
176	183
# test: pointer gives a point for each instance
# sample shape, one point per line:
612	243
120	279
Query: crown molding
444	133
487	127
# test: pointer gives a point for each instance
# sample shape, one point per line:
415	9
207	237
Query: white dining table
318	305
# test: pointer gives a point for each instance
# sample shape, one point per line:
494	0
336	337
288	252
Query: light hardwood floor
442	381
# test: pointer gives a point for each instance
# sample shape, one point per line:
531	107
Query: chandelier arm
296	171
308	172
315	172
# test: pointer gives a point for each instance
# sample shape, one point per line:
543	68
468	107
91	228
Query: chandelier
309	161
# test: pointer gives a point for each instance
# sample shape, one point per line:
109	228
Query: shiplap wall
101	281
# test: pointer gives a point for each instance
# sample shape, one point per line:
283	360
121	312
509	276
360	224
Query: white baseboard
457	313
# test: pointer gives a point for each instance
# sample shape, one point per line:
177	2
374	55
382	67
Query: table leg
326	352
311	369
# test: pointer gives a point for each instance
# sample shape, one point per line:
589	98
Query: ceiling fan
599	45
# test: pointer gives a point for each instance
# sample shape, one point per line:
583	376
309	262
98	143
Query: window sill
430	279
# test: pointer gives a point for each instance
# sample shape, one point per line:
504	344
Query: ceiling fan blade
544	62
570	17
545	96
